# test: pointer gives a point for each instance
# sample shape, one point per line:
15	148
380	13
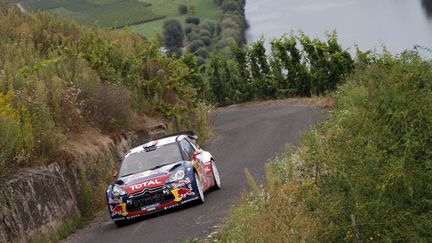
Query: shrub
193	47
373	153
202	52
271	214
231	6
67	77
206	40
210	26
204	32
16	137
193	20
109	107
183	9
190	28
193	36
173	33
201	61
361	175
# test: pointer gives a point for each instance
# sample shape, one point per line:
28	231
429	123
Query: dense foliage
173	36
203	38
362	175
57	78
296	66
233	24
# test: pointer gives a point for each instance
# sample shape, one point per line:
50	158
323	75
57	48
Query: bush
206	40
361	175
173	34
201	61
210	26
193	36
183	9
204	32
202	52
109	107
16	137
193	20
67	77
372	155
195	45
26	133
190	28
231	6
270	214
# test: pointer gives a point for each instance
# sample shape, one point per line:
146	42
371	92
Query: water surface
396	24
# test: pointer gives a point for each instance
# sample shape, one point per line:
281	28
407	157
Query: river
396	24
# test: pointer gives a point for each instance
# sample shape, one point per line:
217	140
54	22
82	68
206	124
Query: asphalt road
245	138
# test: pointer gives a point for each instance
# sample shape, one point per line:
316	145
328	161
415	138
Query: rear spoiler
190	134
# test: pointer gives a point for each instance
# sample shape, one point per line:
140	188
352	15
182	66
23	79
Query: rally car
159	175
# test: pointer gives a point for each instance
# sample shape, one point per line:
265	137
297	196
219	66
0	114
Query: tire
199	189
217	182
121	223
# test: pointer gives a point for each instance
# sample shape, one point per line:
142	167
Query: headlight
117	191
177	175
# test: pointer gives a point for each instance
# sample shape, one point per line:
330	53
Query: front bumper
152	200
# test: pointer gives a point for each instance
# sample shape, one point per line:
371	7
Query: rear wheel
199	188
217	182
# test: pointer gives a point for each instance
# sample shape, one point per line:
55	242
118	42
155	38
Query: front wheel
199	189
121	223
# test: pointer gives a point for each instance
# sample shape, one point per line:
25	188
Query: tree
231	6
173	34
183	9
202	52
204	32
195	45
210	26
206	40
193	20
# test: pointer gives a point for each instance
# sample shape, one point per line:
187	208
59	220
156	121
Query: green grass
64	231
206	10
148	29
46	4
118	14
143	16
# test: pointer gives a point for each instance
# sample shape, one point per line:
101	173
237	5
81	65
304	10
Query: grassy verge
66	229
363	175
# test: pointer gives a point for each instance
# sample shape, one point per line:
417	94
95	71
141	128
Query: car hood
147	179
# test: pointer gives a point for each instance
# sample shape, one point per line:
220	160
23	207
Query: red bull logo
180	193
118	210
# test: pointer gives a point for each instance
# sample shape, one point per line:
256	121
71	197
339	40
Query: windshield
142	161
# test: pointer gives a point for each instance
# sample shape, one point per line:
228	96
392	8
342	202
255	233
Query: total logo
146	184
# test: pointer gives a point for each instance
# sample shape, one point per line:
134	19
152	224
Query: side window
187	149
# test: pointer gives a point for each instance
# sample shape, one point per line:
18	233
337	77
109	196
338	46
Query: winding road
246	137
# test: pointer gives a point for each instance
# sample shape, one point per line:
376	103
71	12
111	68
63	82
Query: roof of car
158	142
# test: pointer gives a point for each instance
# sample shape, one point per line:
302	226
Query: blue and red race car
159	175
